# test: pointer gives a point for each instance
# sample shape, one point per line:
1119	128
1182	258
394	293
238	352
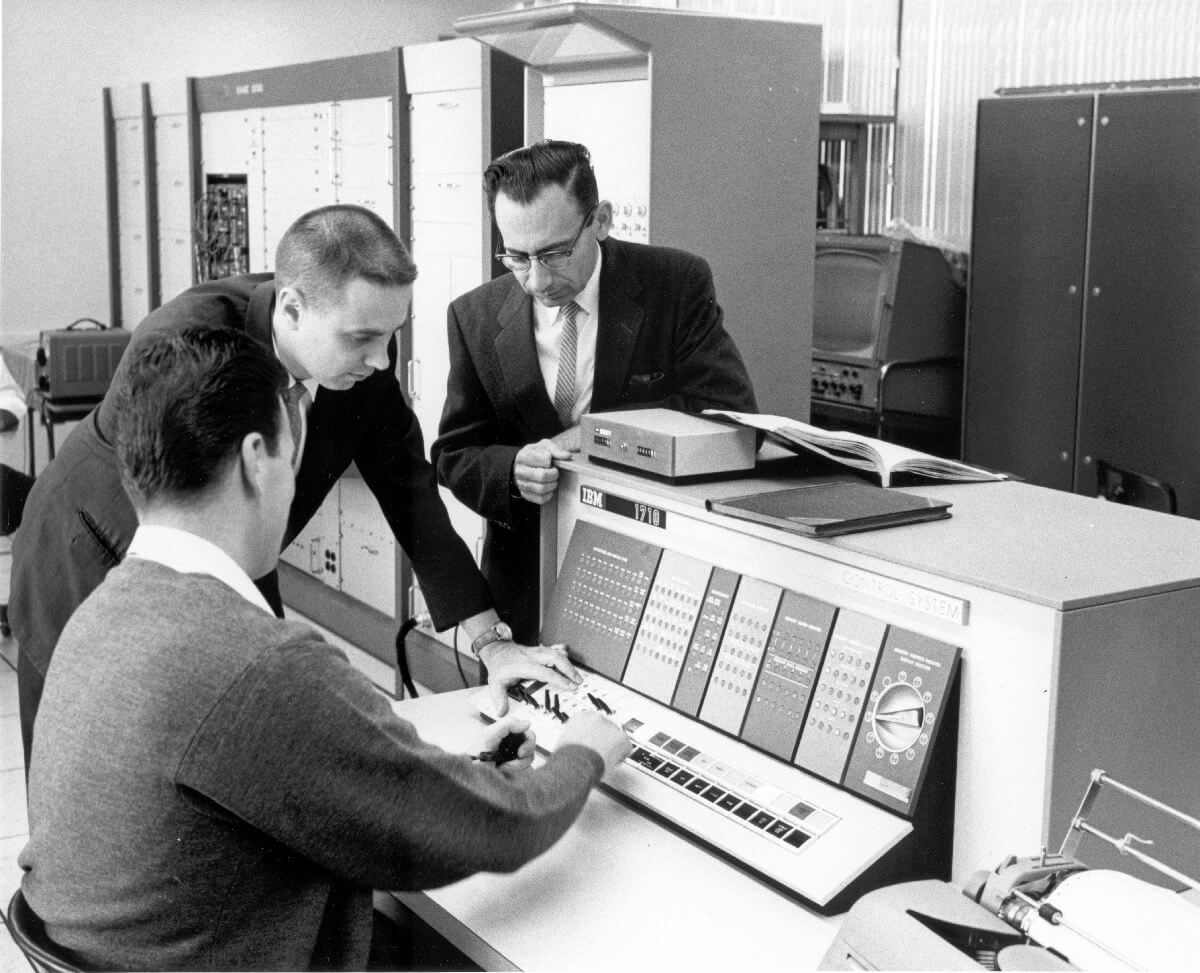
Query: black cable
402	656
458	661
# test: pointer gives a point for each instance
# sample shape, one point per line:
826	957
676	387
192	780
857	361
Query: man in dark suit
341	290
584	323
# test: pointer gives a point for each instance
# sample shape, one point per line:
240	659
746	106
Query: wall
59	54
954	52
57	57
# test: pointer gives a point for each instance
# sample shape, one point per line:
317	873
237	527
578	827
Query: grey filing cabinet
1083	341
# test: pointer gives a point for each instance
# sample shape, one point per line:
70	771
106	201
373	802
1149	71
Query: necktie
298	402
564	390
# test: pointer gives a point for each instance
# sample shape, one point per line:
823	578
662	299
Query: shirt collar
189	553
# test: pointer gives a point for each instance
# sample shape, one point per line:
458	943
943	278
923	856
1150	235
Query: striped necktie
298	403
564	390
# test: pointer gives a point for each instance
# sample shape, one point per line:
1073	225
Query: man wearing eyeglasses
584	323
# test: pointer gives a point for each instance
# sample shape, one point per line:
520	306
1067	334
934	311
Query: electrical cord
402	659
458	661
406	680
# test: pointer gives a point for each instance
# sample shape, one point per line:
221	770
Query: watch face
503	631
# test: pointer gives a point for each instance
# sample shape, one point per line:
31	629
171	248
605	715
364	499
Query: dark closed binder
826	509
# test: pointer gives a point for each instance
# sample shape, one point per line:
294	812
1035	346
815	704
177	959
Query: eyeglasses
550	259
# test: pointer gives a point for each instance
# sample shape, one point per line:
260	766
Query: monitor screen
848	294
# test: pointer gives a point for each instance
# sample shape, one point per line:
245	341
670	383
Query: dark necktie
564	390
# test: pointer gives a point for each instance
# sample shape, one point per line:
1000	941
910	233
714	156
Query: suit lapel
621	319
516	363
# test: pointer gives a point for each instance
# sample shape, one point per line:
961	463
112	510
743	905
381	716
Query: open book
851	449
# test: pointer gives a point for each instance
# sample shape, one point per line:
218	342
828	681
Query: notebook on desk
826	509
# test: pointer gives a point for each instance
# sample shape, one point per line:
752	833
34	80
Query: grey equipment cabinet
1082	345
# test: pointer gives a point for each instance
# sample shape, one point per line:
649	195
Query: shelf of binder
852	178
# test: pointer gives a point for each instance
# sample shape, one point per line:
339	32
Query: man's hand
596	732
534	474
510	662
500	729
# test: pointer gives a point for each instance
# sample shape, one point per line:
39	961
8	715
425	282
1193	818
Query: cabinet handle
414	377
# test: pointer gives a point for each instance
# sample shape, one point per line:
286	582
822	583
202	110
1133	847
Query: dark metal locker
1025	300
1140	378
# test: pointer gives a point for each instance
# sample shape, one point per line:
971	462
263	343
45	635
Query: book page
860	452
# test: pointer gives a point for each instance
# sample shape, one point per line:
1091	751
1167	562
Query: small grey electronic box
666	443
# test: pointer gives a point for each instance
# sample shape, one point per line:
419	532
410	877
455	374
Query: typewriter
1042	912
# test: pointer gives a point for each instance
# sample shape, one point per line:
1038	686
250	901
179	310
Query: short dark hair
327	248
523	173
186	398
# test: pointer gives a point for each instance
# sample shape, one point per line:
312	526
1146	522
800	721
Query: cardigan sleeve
306	750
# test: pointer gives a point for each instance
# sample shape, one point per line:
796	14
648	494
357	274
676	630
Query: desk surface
617	892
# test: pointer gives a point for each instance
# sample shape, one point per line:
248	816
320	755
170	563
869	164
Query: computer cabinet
1080	659
132	204
464	109
1081	339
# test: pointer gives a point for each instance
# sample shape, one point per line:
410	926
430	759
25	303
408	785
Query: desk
617	892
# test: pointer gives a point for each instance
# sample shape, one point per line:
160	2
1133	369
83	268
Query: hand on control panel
509	742
596	732
509	662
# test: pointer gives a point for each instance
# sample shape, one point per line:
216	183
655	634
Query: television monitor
878	302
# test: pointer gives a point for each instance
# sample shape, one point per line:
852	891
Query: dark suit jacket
661	342
78	521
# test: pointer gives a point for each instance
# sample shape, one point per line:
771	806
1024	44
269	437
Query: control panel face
849	384
786	681
788	733
697	664
834	692
667	625
599	597
904	713
842	687
739	655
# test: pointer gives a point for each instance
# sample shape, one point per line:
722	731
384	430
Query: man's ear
603	220
251	460
289	303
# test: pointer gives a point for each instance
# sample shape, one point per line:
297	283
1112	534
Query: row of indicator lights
720	798
673	753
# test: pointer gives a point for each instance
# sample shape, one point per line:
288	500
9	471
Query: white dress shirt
189	553
547	332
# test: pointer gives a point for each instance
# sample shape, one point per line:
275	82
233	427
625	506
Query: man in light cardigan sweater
211	786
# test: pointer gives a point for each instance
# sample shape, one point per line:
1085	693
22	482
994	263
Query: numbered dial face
899	717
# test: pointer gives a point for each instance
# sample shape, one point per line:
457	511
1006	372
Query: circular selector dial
899	717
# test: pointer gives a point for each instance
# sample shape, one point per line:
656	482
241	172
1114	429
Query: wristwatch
497	633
